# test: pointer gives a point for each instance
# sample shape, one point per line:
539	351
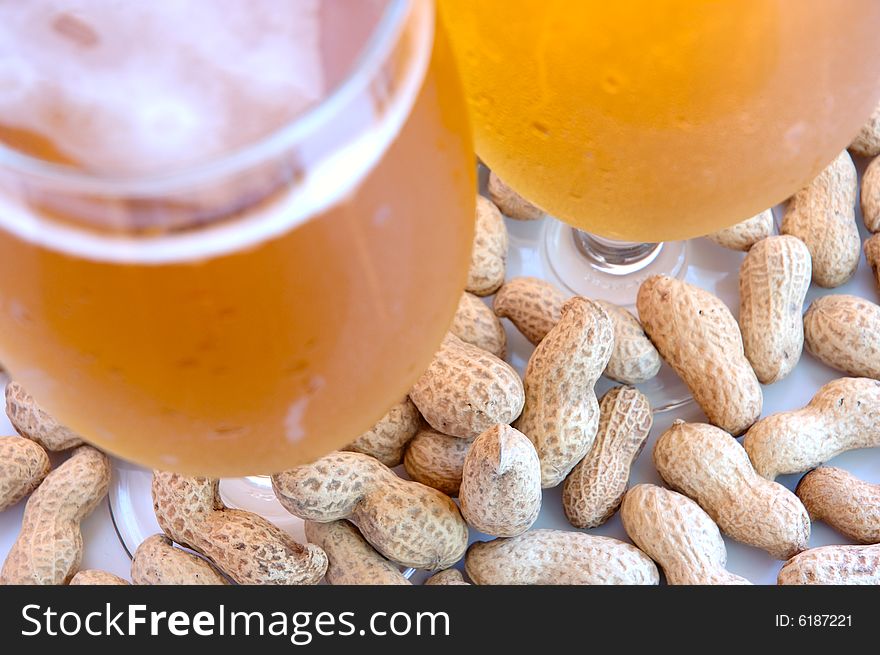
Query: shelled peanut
407	522
870	196
96	577
678	535
49	547
822	215
386	441
872	254
436	460
745	234
698	336
561	413
34	423
557	557
849	505
634	359
843	332
352	561
466	390
447	577
510	202
833	565
23	466
533	305
773	282
500	492
843	415
867	141
489	254
157	562
475	323
246	547
709	466
595	487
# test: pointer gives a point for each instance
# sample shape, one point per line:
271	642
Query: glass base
254	494
665	391
131	505
615	257
604	269
594	267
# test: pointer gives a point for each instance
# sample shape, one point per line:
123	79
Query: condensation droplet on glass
227	433
612	82
382	215
709	178
793	135
682	122
830	104
293	422
483	102
15	81
316	383
541	129
75	30
19	313
103	434
747	124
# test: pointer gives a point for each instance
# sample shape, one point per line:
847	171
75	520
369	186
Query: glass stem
615	257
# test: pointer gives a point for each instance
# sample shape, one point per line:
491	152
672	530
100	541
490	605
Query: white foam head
332	173
127	88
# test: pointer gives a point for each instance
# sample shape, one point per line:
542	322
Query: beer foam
127	88
328	180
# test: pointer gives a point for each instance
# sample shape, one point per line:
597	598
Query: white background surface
711	267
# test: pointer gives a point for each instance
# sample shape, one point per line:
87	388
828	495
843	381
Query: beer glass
228	250
641	123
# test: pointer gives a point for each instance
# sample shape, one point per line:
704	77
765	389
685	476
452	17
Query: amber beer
213	329
664	119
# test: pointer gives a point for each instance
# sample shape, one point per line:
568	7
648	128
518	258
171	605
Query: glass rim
298	128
